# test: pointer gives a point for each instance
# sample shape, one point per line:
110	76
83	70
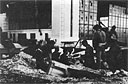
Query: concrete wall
75	19
61	20
56	21
3	22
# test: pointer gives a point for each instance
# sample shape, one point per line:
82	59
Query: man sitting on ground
89	55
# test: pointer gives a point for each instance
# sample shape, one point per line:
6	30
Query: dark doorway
32	36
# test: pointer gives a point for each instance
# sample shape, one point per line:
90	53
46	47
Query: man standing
99	42
113	34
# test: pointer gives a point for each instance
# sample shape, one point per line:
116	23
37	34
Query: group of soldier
105	39
102	40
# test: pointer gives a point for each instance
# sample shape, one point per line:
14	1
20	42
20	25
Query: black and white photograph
64	41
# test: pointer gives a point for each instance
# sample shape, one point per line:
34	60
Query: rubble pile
20	64
21	69
100	72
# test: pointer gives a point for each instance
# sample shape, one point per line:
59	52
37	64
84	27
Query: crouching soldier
113	56
43	56
89	55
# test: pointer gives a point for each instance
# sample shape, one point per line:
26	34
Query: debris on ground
21	69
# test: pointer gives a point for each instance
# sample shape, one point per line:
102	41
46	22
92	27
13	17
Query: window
90	3
30	14
90	18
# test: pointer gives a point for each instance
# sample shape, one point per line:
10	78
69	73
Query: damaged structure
43	40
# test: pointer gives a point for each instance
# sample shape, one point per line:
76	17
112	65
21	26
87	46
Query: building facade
67	20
